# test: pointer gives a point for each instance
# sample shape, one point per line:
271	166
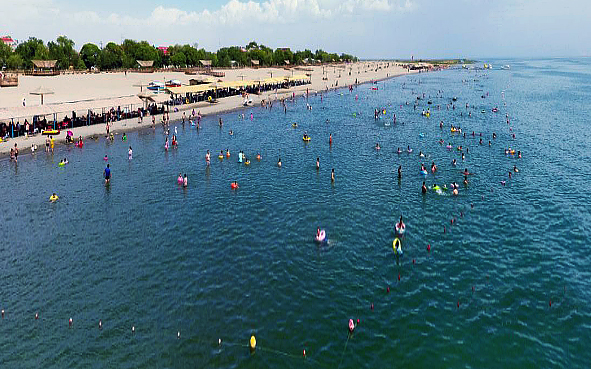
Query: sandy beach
106	90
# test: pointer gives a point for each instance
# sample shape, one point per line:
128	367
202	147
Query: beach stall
145	66
43	68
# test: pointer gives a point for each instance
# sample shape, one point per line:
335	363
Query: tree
90	55
112	56
31	49
179	59
5	53
14	61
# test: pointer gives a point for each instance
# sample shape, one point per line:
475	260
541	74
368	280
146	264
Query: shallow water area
505	285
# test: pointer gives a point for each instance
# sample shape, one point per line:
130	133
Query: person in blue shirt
107	175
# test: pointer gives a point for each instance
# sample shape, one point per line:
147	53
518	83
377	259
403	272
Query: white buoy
133	329
36	316
70	322
178	334
219	341
100	324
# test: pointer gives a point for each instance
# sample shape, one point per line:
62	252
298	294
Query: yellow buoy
253	343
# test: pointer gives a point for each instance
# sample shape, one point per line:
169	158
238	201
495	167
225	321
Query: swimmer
166	144
227	153
433	167
408	149
463	156
465	180
107	175
510	175
207	157
399	151
279	163
424	188
421	154
330	139
106	158
124	137
377	146
130	153
258	156
400	225
454	162
332	175
515	169
221	122
399	171
179	180
231	133
519	154
185	181
466	173
317	163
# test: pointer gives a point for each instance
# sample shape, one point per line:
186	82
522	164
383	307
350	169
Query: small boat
156	86
51	132
173	83
506	67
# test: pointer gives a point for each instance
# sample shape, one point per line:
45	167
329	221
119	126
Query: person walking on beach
107	174
15	153
51	143
47	144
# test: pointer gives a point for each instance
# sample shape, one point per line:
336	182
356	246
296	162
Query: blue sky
366	28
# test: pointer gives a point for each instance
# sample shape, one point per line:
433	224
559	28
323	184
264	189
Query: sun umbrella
41	91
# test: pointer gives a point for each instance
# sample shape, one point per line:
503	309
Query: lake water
507	285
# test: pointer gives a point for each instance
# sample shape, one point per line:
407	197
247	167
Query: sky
364	28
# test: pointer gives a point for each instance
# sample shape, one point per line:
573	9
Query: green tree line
114	56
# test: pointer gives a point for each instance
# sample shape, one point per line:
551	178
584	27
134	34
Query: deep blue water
211	263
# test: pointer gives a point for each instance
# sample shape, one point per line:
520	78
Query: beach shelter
41	91
141	85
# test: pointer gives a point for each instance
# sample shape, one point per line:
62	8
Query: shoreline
226	105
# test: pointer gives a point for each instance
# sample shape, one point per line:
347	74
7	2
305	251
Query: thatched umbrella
41	91
141	85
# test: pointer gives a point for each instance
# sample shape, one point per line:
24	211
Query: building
9	41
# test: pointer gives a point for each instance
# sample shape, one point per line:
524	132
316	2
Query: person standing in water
185	181
317	163
279	163
107	175
332	175
330	140
399	171
424	188
207	158
130	153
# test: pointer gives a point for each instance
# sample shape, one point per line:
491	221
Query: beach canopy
47	64
254	62
205	63
146	63
41	91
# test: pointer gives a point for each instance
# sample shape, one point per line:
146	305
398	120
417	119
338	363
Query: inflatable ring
220	157
53	198
397	246
306	139
61	164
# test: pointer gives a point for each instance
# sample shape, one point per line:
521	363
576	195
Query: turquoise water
212	263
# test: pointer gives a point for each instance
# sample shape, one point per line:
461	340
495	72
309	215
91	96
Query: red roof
7	39
164	49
